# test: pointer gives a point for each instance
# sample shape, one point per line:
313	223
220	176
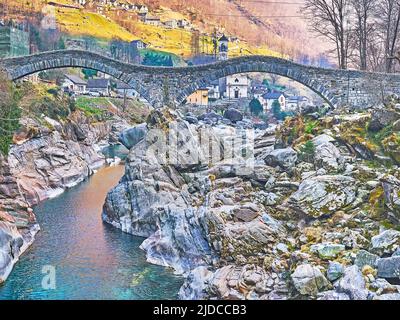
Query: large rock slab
380	118
328	156
323	195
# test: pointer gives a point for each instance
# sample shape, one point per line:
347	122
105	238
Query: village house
101	86
213	91
296	103
199	97
171	24
124	90
74	84
271	97
152	20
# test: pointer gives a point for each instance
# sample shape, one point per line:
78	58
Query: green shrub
310	127
307	151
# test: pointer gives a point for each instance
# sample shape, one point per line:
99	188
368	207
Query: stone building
199	97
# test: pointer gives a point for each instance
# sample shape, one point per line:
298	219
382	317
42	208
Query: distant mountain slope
248	20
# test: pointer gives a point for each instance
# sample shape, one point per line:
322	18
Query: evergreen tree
277	111
255	107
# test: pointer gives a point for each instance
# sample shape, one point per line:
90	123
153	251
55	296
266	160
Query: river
90	260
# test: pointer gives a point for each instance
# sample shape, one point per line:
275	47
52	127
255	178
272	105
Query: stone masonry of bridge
171	85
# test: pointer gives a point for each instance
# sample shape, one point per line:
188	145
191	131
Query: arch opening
237	90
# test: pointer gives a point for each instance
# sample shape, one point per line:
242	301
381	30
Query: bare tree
388	22
363	29
331	20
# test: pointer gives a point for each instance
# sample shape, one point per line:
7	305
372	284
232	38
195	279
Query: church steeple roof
223	38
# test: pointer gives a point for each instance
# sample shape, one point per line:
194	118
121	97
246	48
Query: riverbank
47	157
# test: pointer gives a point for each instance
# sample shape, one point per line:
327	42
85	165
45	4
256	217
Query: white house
124	90
183	23
74	84
101	86
296	103
270	97
214	91
172	24
237	86
154	21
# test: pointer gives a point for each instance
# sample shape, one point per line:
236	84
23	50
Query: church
234	86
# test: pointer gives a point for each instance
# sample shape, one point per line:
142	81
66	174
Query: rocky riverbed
308	211
47	157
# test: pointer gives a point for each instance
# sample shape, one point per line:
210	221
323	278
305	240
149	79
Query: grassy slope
176	41
79	22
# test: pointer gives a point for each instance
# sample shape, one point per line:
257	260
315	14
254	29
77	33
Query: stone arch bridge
171	85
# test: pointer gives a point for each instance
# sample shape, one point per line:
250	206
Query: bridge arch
302	74
23	66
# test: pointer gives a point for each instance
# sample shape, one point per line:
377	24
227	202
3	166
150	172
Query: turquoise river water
89	259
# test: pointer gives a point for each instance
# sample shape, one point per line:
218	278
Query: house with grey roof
102	86
124	90
270	97
74	84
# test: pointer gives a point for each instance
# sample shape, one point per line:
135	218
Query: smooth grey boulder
233	115
284	158
132	136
